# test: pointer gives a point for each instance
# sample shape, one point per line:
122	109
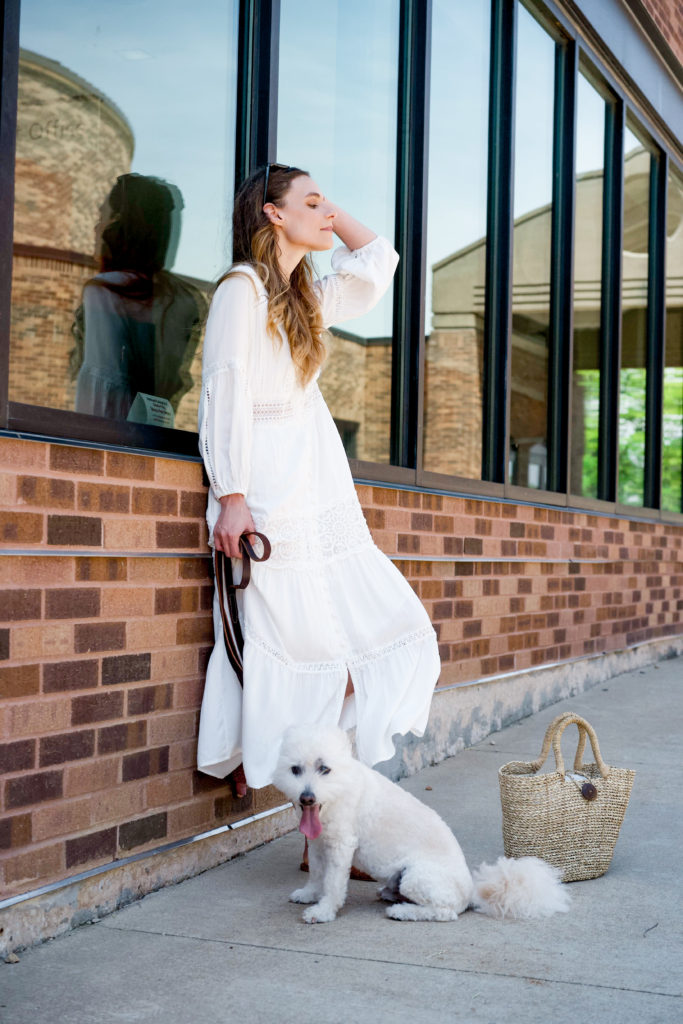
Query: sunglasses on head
278	167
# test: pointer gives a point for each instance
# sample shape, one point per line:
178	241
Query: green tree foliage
632	435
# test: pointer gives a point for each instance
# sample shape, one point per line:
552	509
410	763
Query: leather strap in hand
232	630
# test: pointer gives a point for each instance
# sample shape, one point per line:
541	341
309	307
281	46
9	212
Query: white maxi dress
328	601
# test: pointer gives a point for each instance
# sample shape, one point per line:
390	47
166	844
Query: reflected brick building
72	142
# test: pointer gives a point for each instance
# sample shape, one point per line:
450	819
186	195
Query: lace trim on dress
210	468
273	411
417	636
299	541
313	667
356	660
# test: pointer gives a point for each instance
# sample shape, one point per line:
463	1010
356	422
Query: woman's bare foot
238	782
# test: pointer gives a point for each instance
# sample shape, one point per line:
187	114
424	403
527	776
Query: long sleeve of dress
225	409
360	279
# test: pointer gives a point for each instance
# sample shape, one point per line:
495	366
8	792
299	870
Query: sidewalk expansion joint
395	963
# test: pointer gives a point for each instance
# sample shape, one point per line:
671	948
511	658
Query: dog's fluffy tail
523	888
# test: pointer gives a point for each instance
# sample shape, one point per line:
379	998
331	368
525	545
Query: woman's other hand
234	520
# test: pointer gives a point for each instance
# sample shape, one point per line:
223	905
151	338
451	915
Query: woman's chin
326	241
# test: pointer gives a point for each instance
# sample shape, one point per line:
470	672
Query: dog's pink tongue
310	822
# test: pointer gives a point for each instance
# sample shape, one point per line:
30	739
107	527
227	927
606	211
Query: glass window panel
633	369
456	237
672	432
535	83
590	152
124	183
337	106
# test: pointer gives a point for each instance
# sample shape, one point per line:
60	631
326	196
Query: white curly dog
353	815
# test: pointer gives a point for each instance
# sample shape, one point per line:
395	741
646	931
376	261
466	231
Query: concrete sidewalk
228	946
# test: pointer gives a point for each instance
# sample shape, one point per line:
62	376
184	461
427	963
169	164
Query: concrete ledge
460	717
464	714
85	899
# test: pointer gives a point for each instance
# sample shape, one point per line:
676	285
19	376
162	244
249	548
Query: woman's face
304	216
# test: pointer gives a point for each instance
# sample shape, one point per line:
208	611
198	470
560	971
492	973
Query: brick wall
668	17
102	660
102	650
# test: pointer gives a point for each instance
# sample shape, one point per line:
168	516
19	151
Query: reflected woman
333	633
138	326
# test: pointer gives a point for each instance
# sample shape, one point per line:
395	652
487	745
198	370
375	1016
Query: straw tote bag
232	631
570	819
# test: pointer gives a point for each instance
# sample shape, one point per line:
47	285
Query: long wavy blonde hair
292	303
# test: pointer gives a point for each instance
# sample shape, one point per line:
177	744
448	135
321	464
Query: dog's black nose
307	799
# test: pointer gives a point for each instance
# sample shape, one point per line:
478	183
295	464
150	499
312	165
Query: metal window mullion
257	85
562	266
411	225
9	74
499	230
610	301
656	318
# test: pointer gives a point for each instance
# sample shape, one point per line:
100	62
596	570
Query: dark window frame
610	317
499	235
9	75
655	317
561	334
665	171
656	329
412	134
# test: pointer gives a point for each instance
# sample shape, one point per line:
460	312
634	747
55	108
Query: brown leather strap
249	556
232	630
233	643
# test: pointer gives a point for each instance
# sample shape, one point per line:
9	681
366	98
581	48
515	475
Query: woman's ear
272	213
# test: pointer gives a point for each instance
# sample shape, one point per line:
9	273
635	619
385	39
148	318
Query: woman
328	615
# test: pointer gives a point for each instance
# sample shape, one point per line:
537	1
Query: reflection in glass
590	149
633	369
103	99
138	326
337	100
672	425
456	237
531	252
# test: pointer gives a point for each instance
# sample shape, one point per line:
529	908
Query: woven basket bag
571	823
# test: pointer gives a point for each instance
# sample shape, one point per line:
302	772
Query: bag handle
547	741
553	736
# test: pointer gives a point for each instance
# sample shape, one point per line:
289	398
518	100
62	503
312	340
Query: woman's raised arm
353	234
362	273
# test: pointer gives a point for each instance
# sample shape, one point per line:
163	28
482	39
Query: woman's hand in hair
352	233
234	520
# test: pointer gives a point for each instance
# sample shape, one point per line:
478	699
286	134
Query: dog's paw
401	912
305	895
418	912
318	914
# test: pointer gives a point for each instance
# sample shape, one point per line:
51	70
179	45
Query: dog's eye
297	769
324	770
